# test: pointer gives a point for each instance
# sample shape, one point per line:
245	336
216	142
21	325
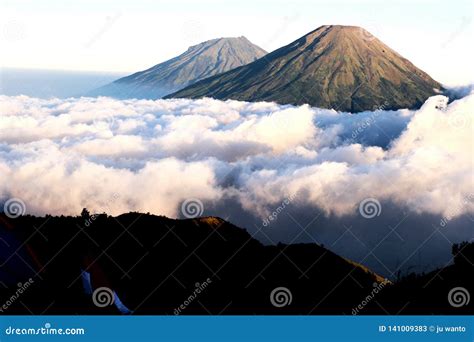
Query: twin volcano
339	67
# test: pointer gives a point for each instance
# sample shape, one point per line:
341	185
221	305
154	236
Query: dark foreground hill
157	265
198	62
339	67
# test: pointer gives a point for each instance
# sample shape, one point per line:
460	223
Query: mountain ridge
334	66
154	263
242	269
197	62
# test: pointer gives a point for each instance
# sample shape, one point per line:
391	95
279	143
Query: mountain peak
334	66
344	28
221	39
199	61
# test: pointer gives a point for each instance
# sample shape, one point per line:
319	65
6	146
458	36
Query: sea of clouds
61	155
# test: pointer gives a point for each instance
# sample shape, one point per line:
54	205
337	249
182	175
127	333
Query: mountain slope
198	62
164	259
340	67
155	264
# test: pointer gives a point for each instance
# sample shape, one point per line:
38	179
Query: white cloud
59	156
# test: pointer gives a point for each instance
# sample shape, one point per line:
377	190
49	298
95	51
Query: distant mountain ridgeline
198	62
156	265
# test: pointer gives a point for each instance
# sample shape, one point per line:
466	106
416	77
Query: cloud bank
59	156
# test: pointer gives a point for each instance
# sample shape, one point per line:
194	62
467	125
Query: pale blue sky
118	35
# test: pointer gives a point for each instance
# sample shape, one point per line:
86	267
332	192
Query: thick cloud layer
61	155
274	169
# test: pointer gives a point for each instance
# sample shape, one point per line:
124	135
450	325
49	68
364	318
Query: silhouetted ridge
155	264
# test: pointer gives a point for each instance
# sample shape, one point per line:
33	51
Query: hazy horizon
437	41
46	83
